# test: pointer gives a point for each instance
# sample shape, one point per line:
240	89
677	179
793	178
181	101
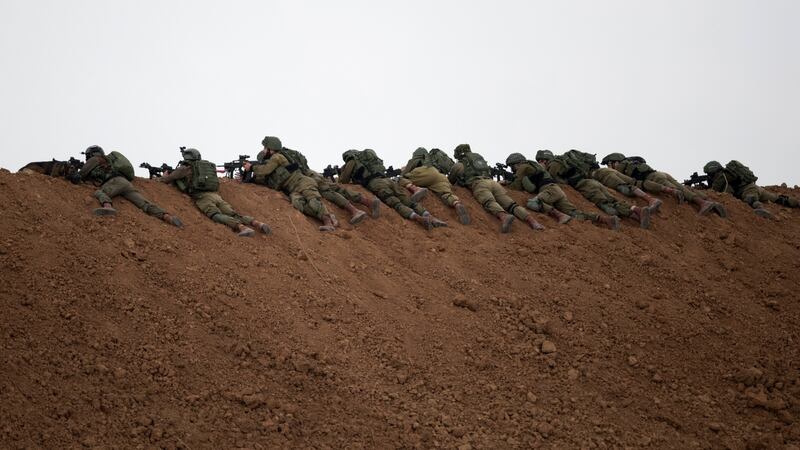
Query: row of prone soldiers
287	171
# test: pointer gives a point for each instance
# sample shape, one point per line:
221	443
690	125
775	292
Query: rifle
156	172
331	172
698	181
500	170
237	166
391	172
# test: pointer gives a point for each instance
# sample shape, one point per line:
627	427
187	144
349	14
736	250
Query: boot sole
358	218
376	208
505	227
247	233
463	217
655	207
719	209
763	213
644	219
326	228
266	229
104	212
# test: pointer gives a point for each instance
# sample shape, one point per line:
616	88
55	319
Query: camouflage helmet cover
515	158
348	155
461	150
190	154
93	150
613	157
271	143
712	167
544	155
420	152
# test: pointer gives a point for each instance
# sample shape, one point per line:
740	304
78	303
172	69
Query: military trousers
220	211
494	198
431	178
117	186
665	179
551	196
596	193
305	196
395	196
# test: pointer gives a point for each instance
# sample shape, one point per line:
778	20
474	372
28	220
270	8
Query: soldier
737	179
113	173
331	191
429	170
278	173
565	170
531	177
472	171
198	178
647	177
365	168
626	186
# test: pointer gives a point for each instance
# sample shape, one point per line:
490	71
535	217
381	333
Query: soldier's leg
511	206
482	191
132	195
210	204
111	188
560	207
767	196
750	194
382	188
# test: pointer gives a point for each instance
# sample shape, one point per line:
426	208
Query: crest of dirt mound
126	332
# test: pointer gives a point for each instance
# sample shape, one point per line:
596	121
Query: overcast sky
678	82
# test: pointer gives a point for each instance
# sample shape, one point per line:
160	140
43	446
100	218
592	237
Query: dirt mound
126	332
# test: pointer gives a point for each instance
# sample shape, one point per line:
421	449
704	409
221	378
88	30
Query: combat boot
436	223
642	215
719	209
172	220
245	231
705	205
760	211
334	221
418	192
357	215
533	223
677	193
559	216
425	221
652	203
105	210
461	210
609	221
261	226
374	205
327	223
506	220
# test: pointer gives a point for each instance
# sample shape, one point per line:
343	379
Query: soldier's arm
455	173
273	163
523	171
410	165
177	174
91	164
554	169
347	172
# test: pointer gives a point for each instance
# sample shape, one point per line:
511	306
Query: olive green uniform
210	203
623	183
98	170
532	177
649	177
724	181
302	190
421	173
592	190
488	192
391	193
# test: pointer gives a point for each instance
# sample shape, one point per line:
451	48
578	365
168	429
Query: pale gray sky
678	82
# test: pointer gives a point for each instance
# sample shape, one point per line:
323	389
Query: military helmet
420	152
190	154
613	157
350	154
712	167
272	143
461	150
544	155
515	158
94	150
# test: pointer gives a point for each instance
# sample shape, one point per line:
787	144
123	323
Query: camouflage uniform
423	171
385	189
723	180
531	177
98	171
626	185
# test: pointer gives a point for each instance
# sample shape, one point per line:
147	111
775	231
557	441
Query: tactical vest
538	179
636	170
742	173
120	166
204	177
571	172
371	167
475	168
439	159
295	157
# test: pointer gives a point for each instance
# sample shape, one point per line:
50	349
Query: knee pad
535	204
512	207
608	209
625	189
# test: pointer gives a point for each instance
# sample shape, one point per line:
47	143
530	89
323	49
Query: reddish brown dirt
126	332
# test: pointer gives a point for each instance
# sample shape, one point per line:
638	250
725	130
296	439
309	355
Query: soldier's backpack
637	159
475	167
296	158
578	165
742	172
120	165
373	166
204	177
439	159
637	168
